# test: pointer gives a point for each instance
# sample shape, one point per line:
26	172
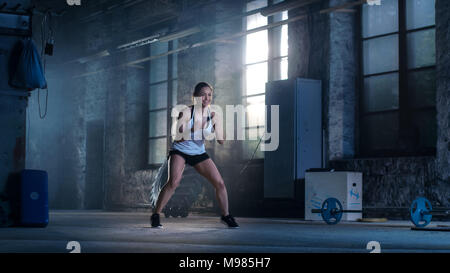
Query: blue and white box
344	186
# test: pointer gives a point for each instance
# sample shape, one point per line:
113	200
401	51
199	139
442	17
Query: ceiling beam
341	8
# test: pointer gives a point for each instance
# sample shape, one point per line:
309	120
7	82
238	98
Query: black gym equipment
176	210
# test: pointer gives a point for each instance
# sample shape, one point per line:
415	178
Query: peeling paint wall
443	89
12	112
12	138
103	112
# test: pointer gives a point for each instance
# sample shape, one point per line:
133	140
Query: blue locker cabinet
300	134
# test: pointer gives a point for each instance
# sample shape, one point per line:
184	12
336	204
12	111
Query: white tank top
196	145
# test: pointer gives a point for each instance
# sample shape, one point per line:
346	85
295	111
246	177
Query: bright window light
256	78
257	47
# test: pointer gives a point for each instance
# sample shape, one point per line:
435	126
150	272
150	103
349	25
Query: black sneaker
155	221
229	221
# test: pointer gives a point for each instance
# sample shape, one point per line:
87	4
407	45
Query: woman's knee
173	182
219	184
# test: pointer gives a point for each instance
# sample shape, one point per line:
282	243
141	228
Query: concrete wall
57	139
94	136
393	182
323	46
343	73
443	90
12	112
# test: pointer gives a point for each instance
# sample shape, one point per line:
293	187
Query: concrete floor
108	232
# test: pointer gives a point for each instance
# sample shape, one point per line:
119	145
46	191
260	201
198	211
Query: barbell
420	211
332	209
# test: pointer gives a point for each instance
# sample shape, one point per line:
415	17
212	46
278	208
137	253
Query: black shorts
190	159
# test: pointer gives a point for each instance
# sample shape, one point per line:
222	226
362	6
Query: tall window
162	97
398	114
265	59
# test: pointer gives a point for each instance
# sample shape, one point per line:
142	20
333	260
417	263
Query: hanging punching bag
26	70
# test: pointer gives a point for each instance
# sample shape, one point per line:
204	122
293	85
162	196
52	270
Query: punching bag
26	70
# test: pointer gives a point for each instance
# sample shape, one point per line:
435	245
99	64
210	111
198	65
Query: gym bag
26	70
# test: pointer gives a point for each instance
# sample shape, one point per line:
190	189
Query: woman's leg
208	169
176	168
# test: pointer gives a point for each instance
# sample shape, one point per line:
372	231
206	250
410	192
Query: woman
192	152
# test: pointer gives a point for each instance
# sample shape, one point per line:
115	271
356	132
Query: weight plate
331	209
184	213
418	211
176	211
166	212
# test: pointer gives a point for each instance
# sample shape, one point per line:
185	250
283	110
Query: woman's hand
182	120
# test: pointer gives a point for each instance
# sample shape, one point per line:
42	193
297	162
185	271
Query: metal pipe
283	6
343	6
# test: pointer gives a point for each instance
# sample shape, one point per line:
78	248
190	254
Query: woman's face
206	94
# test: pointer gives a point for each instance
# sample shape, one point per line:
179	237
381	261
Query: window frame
271	74
404	110
171	78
